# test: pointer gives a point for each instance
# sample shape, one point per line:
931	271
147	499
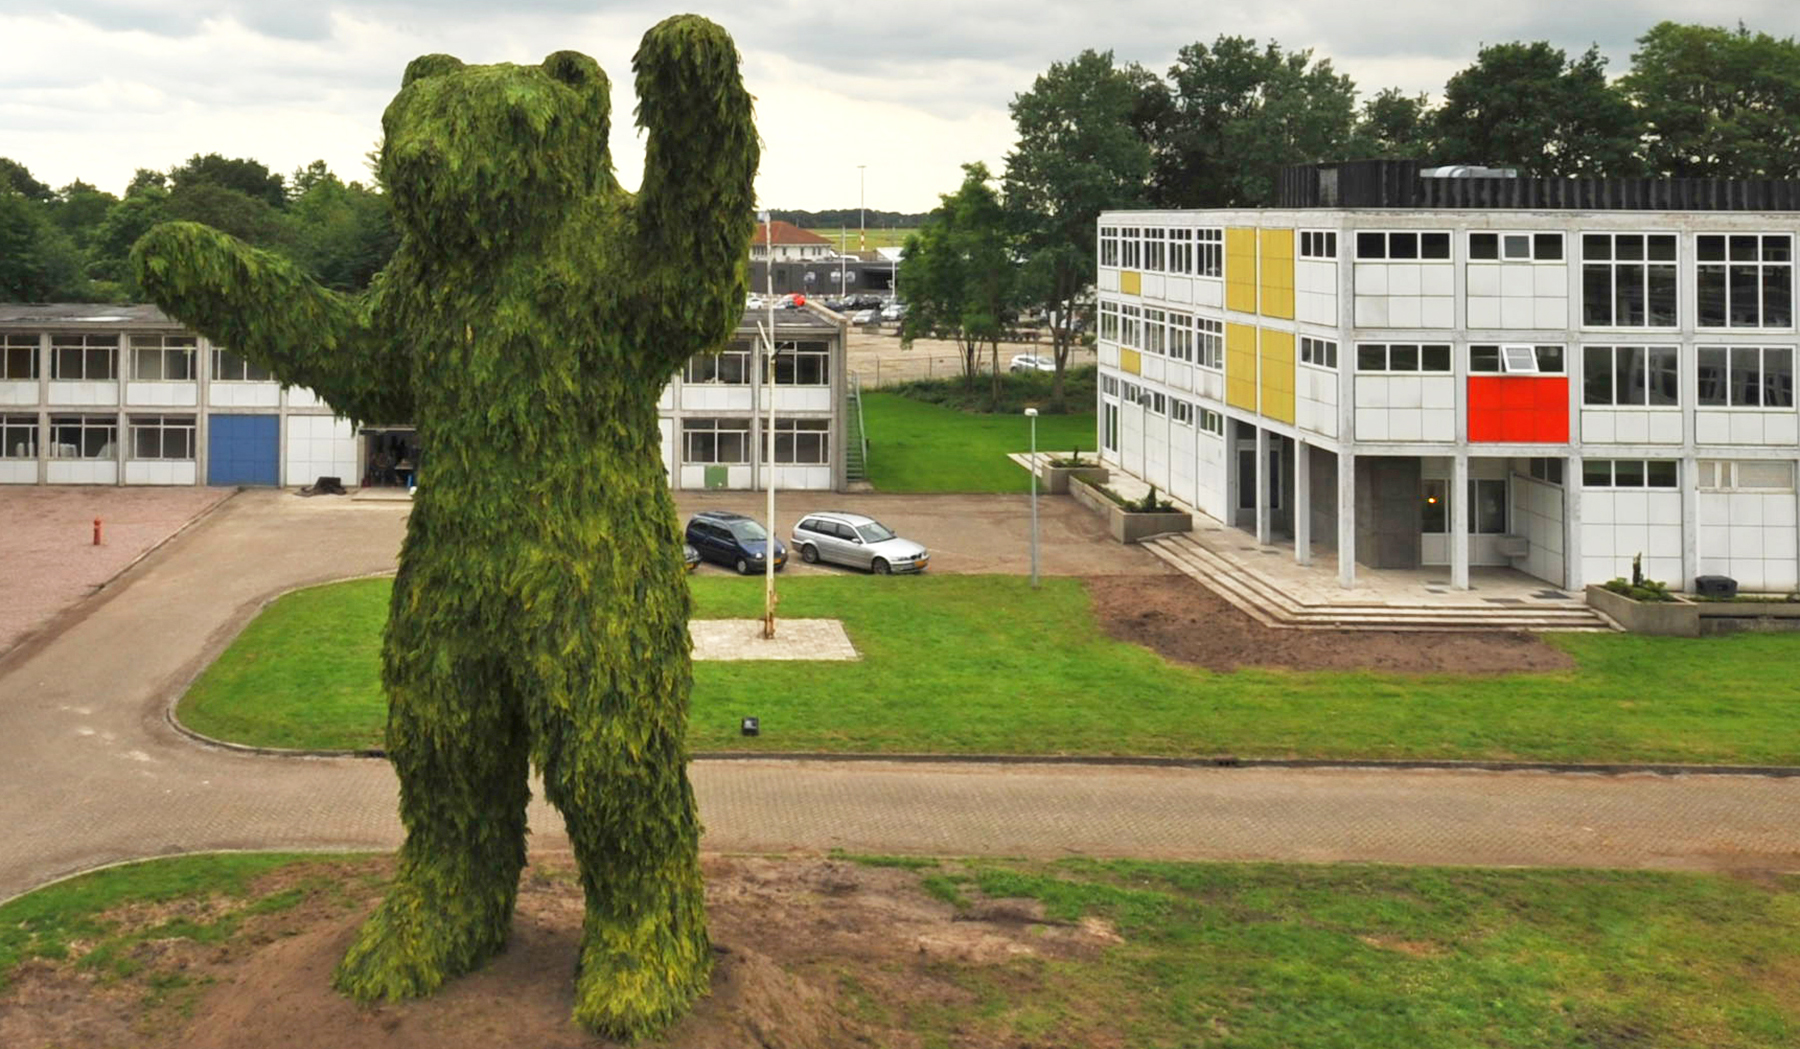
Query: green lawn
1217	955
919	447
982	664
877	238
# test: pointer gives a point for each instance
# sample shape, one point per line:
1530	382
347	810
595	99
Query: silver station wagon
857	541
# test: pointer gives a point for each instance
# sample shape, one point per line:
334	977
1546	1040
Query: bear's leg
459	742
624	793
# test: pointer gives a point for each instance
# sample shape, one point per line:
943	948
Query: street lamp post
767	458
862	228
1031	413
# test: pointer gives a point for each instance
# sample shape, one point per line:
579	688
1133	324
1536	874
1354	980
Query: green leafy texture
1717	103
528	321
1532	106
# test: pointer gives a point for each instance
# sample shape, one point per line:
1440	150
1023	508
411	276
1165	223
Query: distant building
789	243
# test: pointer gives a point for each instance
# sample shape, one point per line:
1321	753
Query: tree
109	250
960	274
38	262
527	324
16	177
343	235
1077	155
1530	106
1236	114
245	176
1717	103
1394	125
78	210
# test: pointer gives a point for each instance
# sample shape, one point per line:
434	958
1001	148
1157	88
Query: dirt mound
803	945
1183	621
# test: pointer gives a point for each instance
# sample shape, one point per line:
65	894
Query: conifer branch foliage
526	325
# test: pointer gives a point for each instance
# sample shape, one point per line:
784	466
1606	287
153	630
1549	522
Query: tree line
73	244
1216	130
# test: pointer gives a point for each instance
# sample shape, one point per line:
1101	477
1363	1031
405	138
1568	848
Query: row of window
1185	251
796	364
95	437
1182	411
725	441
1170	333
95	358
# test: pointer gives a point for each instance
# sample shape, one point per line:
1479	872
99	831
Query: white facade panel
84	393
245	395
144	471
162	394
693	476
801	478
83	471
301	397
1209	293
16	393
320	446
716	397
18	471
1616	525
803	399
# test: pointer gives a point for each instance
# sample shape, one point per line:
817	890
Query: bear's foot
416	940
630	994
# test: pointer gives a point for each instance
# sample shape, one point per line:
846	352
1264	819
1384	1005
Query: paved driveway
91	773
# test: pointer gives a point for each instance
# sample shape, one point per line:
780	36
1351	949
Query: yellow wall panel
1131	282
1277	375
1240	270
1240	366
1277	272
1131	361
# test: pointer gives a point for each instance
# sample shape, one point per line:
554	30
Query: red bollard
96	531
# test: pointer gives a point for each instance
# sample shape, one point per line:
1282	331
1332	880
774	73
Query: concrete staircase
1269	605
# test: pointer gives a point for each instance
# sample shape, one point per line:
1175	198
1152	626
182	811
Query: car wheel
881	567
809	554
743	566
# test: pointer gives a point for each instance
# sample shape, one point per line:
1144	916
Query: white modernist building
118	395
1458	368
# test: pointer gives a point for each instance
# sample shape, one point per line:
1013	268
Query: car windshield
875	532
748	531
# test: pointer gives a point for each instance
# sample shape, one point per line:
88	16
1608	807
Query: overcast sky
94	89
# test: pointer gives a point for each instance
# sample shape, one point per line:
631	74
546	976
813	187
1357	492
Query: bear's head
481	154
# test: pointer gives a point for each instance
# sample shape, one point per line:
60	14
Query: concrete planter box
1677	618
1055	479
1128	526
1732	617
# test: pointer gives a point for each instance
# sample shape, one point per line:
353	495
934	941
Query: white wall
1749	536
1316	399
716	397
1212	476
1745	426
247	395
162	394
22	392
1405	295
84	393
18	471
1517	295
159	471
1617	524
1537	512
1405	407
1631	425
808	478
1315	291
84	471
321	446
694	476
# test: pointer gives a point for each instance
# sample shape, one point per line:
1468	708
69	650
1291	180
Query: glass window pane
1661	473
1710	285
1710	376
1484	245
1628	295
1484	358
1665	376
1370	358
1743	248
1371	245
1596	473
1403	245
1778	297
1434	245
1550	359
1597	373
1746	378
1744	296
1662	311
1487	500
1662	247
1518	246
1596	296
1628	246
1628	375
1778	378
1435	358
1403	358
1709	248
1434	509
1596	247
1547	246
1628	473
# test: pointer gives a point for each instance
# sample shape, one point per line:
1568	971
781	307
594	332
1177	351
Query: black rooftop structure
1401	184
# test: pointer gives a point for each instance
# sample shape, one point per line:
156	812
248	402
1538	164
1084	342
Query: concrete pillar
1572	522
1346	522
1460	512
1690	522
1302	502
1262	486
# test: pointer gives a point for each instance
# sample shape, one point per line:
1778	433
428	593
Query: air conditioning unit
1715	586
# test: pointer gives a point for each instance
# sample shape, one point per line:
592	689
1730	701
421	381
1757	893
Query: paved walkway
90	772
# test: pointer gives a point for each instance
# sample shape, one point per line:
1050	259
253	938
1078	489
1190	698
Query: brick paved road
90	773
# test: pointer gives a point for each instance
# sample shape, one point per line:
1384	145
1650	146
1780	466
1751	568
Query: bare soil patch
1183	621
811	953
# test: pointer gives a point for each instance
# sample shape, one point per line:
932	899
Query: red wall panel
1519	409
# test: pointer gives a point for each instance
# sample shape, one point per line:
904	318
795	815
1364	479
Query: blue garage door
243	449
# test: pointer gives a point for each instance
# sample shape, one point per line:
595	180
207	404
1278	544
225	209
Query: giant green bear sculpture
526	325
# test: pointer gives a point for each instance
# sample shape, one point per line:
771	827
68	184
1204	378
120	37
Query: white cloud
95	88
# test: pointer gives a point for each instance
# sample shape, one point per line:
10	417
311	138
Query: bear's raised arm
262	307
695	211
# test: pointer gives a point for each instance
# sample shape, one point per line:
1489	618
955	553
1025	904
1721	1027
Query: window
229	367
1321	353
1181	252
801	442
1156	402
1434	510
1181	411
1181	337
1109	320
1132	250
1628	280
1109	433
84	358
1109	385
1631	376
1210	347
730	366
162	437
1745	280
1155	259
19	357
1131	393
1318	244
162	358
83	436
1746	475
1629	473
1155	330
1402	357
1403	246
1548	470
1212	422
1745	377
1131	326
1487	506
1109	245
716	440
1518	360
802	364
1516	247
18	436
1209	252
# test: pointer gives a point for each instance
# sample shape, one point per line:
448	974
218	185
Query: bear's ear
574	69
430	65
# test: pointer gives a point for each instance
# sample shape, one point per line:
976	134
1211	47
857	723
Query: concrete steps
1269	605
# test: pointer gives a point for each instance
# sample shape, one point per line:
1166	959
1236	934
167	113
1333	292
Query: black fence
1398	184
